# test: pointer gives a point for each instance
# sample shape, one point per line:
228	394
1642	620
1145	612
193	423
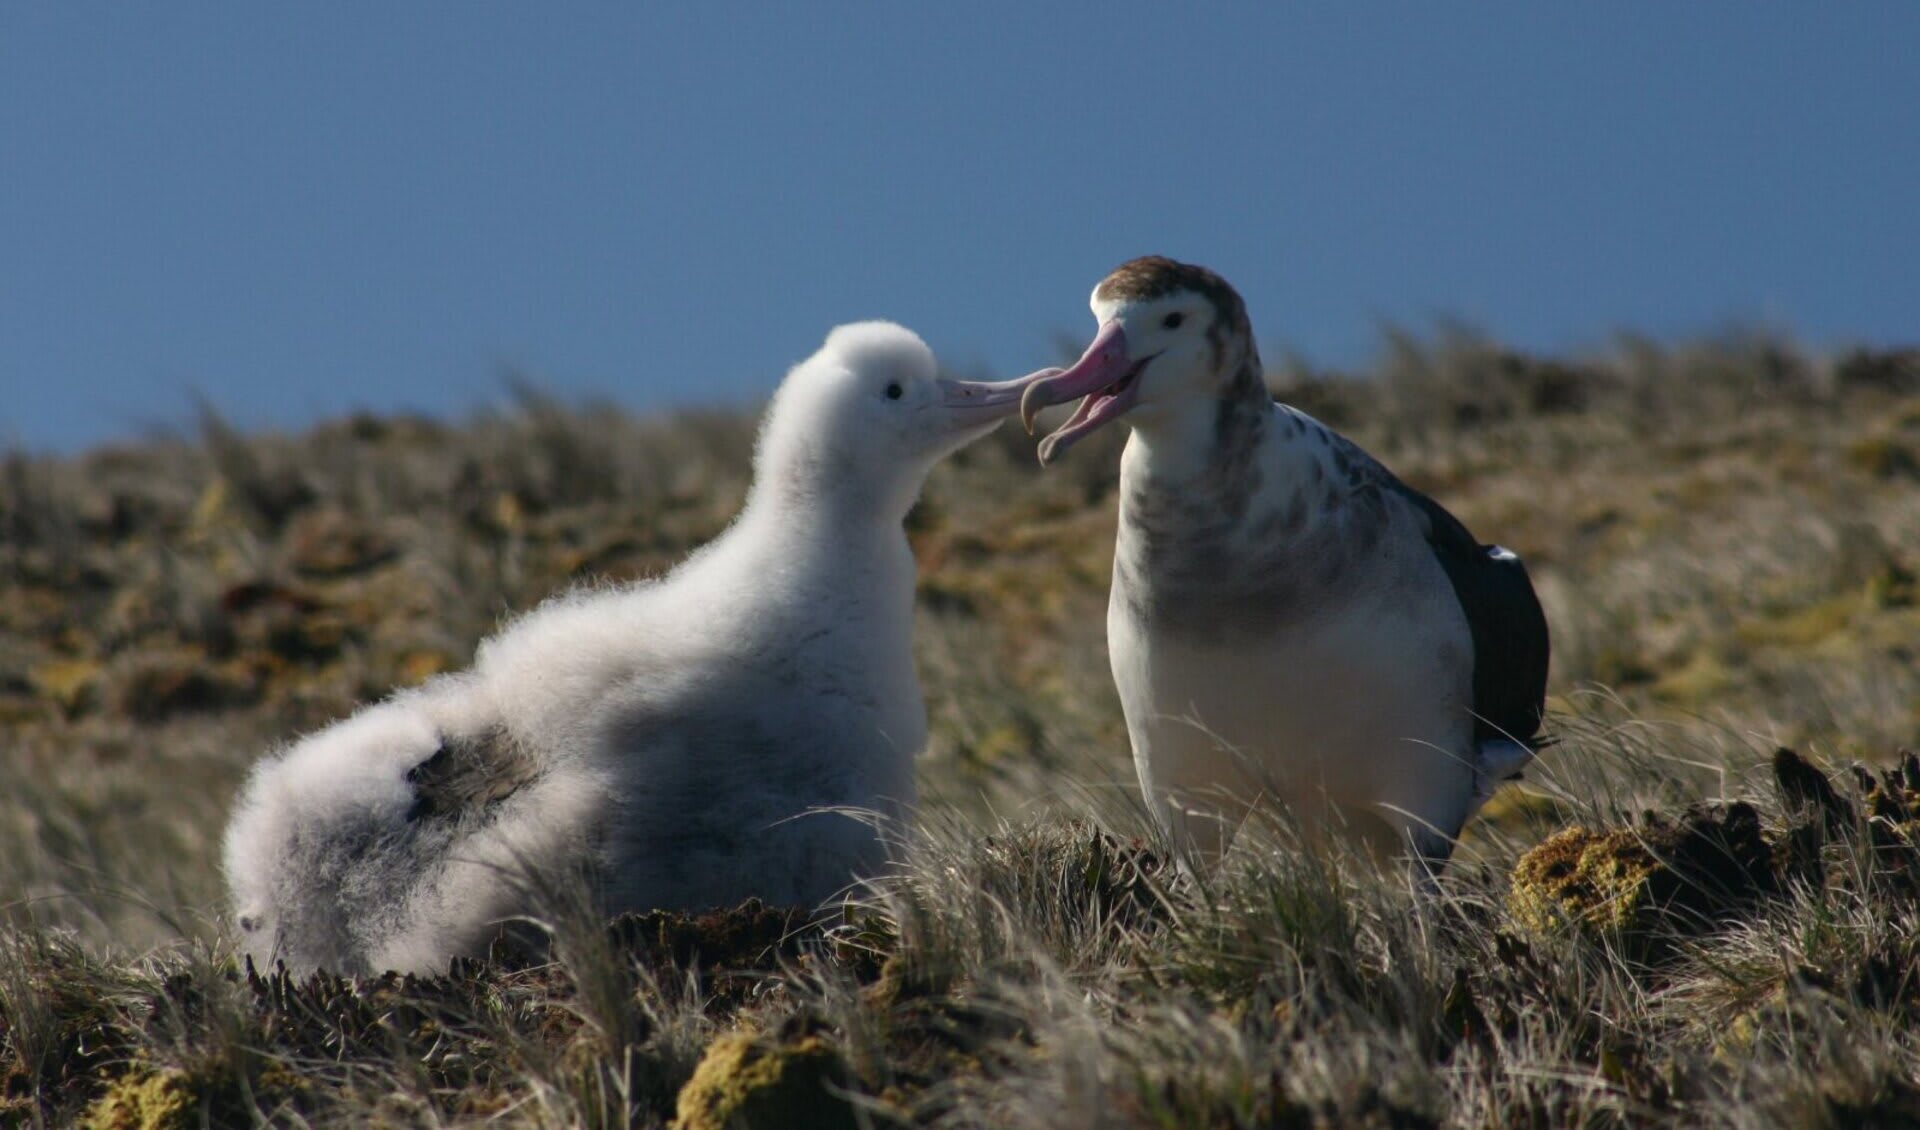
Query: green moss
746	1083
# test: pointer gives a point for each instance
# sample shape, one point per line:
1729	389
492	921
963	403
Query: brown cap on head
1154	276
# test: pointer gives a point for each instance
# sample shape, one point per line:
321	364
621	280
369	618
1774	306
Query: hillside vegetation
1668	920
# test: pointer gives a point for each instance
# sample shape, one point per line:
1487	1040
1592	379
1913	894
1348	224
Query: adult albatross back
1288	620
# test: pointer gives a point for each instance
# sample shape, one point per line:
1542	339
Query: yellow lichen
1892	586
1662	875
211	510
1803	627
747	1083
72	683
147	1100
1733	1041
1885	457
416	667
1515	809
1598	878
1704	677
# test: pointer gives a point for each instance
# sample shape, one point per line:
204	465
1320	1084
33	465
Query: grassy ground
1725	536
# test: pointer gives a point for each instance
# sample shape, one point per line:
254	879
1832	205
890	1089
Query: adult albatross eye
1172	321
894	390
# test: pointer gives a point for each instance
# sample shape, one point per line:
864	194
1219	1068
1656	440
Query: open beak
1105	376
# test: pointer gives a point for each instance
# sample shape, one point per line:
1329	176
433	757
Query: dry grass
1726	536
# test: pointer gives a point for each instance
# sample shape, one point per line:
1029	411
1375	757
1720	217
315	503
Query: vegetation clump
1687	873
146	1099
746	1082
750	937
1724	535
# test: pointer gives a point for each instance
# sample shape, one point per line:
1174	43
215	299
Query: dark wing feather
1509	630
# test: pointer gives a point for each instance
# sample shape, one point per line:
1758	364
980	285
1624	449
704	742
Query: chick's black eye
894	391
1172	321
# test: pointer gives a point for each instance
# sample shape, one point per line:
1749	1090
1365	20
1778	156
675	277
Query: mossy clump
1598	878
1891	370
1662	874
61	1030
1804	627
1885	457
745	1082
1517	810
751	936
1082	869
1892	804
72	684
330	542
1704	677
1893	586
1888	802
160	686
145	1099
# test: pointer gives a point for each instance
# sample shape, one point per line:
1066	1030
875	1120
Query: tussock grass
1725	534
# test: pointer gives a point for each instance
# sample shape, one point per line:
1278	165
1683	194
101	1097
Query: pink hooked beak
1105	376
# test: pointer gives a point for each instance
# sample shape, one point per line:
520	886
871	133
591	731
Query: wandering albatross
1289	622
688	742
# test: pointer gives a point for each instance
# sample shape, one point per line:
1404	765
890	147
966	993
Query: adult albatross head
1169	331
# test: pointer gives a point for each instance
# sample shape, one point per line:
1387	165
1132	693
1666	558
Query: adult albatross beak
1106	376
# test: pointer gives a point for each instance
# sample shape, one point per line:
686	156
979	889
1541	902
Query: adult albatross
1289	622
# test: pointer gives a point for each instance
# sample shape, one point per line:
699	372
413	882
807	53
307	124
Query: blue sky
304	209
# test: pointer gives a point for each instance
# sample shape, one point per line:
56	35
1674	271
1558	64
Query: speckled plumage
1288	620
